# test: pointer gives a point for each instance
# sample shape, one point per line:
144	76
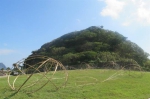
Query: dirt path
2	76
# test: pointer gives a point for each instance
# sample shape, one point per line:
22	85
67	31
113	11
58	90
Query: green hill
2	66
93	45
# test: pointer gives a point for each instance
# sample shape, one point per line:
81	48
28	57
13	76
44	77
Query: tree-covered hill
93	45
2	66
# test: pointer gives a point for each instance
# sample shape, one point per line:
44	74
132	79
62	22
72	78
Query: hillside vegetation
94	45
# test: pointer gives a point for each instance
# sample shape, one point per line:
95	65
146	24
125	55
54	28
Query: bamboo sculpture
39	71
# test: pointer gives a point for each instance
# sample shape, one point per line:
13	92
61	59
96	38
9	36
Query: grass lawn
83	84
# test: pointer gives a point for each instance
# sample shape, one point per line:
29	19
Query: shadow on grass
10	96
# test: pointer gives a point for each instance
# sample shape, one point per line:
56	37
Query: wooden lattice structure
38	72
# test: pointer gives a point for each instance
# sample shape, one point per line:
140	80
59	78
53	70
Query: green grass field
83	84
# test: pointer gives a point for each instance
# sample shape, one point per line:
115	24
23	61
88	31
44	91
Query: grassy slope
89	84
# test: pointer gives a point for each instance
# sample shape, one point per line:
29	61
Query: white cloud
133	1
143	15
126	23
129	11
113	8
6	51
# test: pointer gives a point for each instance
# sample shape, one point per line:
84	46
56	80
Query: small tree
8	70
147	65
2	69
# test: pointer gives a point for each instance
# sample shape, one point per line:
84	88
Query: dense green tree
93	44
147	65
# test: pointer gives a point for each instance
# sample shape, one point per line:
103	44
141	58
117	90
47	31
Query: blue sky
25	25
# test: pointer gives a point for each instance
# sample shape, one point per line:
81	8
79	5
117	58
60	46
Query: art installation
36	72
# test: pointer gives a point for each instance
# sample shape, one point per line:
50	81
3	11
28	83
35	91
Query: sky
25	25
